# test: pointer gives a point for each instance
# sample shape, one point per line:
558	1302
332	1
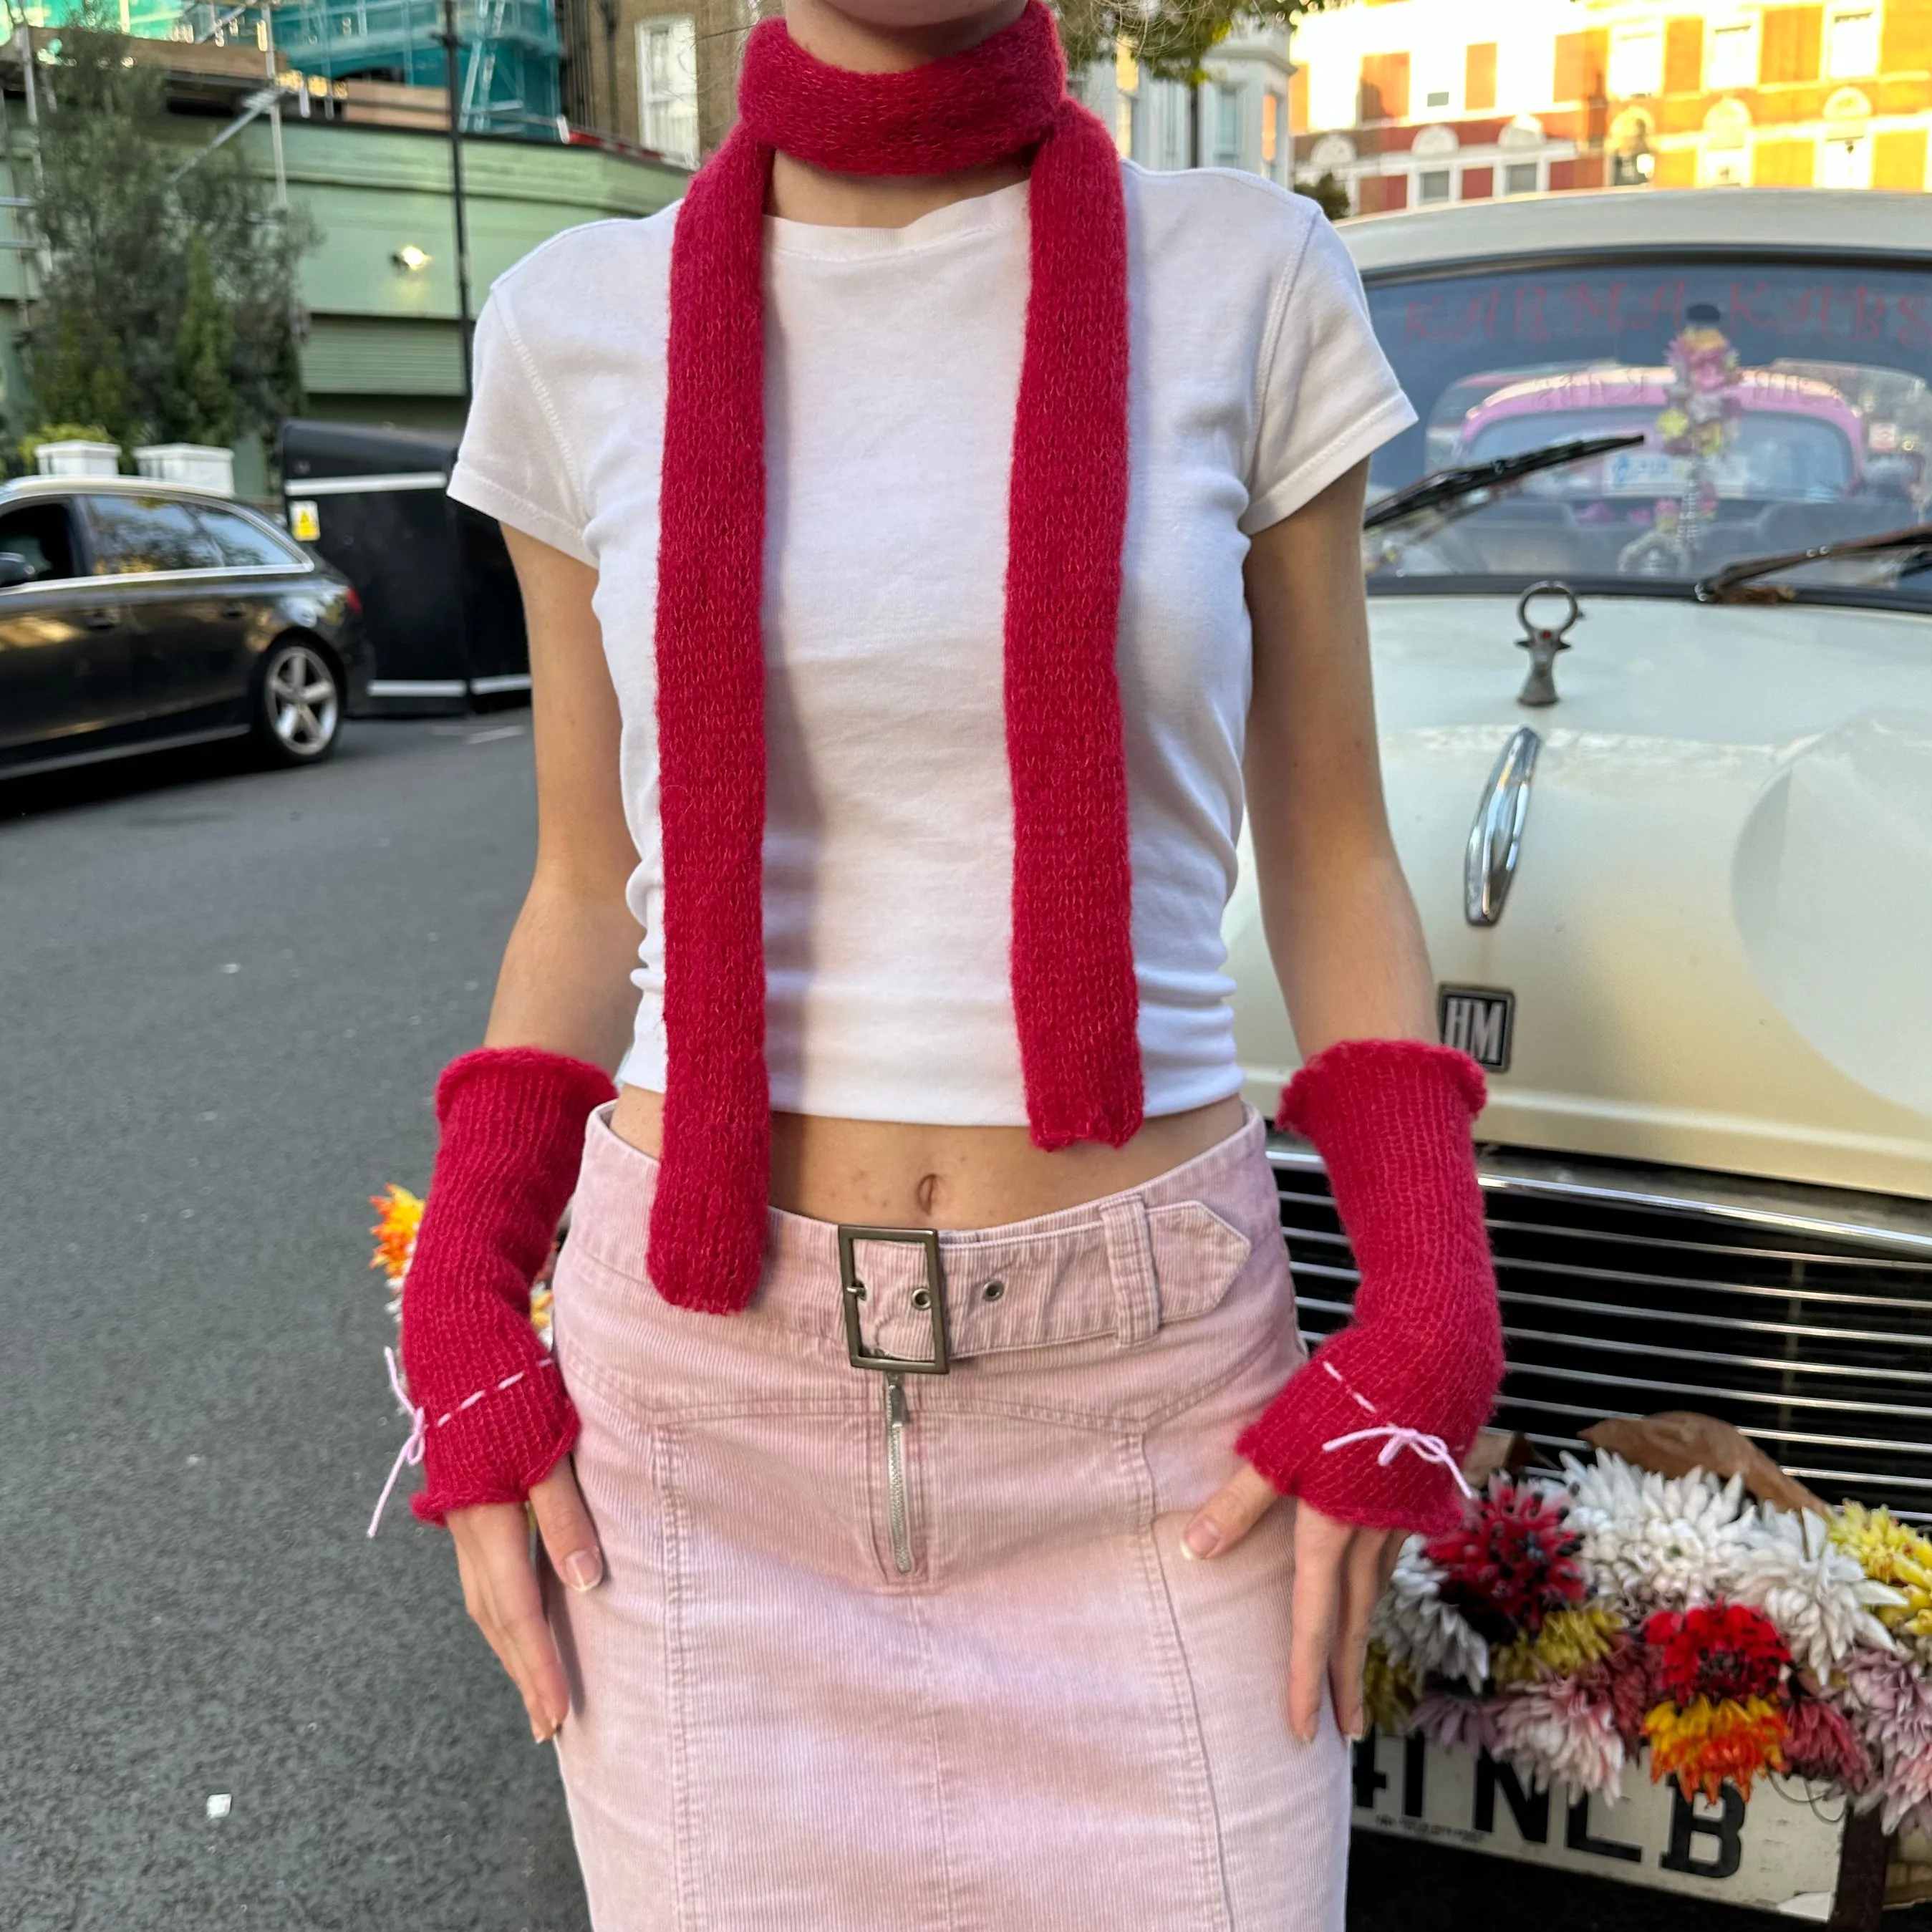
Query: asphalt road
224	997
223	1001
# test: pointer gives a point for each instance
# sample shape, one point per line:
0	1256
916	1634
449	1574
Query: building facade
1411	102
663	74
1237	117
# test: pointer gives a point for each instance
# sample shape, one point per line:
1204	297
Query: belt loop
1130	1265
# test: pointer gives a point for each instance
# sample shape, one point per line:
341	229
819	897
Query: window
243	543
140	534
1724	162
1845	161
1333	87
1522	177
42	533
1852	48
1227	128
1271	130
1637	63
1733	56
1431	185
667	88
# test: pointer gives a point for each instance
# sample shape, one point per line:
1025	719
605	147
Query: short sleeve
1328	397
514	464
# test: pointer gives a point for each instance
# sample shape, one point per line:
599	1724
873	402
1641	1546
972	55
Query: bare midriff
897	1174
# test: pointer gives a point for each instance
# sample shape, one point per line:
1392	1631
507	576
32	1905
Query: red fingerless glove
494	1416
1373	1428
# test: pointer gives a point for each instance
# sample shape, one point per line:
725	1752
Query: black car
135	615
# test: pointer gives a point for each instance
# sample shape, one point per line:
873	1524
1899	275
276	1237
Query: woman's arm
1342	927
1348	949
564	984
564	987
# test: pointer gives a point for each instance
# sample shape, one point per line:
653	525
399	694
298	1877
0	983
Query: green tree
1331	193
168	304
200	405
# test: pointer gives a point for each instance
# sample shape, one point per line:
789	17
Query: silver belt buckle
852	1291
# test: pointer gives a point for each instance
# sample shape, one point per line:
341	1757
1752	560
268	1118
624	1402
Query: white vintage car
1674	857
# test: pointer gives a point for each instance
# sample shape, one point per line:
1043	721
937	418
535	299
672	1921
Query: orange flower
400	1214
1705	1744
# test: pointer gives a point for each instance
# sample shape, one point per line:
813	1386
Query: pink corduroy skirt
878	1651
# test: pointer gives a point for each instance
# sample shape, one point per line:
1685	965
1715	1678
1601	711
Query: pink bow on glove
1372	1430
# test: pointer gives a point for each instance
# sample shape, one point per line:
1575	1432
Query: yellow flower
1890	1552
1705	1745
1389	1692
1515	1664
1571	1641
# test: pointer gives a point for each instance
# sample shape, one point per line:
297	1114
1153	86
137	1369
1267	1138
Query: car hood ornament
1543	641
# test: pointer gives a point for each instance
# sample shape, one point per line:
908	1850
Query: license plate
1779	1853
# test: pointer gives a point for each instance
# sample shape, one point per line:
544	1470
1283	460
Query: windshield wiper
1737	582
1446	486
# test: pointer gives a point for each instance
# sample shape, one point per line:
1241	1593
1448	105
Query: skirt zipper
898	1516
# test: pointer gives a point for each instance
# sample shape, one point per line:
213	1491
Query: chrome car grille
1803	1316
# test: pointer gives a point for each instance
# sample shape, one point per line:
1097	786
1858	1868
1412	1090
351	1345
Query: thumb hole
569	1536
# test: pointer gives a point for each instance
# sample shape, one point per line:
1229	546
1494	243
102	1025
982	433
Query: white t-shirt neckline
999	208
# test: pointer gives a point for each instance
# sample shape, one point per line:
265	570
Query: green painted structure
383	345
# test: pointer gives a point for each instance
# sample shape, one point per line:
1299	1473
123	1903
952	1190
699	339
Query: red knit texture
1075	998
512	1121
1391	1120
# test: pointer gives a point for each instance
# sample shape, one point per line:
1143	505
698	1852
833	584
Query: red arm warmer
495	1417
1412	1377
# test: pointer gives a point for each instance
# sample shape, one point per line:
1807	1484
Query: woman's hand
495	1556
1339	1571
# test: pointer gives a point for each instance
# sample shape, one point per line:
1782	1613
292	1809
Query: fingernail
583	1569
1203	1538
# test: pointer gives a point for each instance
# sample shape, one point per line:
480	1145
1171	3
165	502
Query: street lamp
452	44
410	258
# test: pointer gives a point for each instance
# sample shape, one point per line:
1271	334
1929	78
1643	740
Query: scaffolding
508	61
508	76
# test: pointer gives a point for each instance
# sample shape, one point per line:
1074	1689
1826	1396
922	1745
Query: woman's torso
893	359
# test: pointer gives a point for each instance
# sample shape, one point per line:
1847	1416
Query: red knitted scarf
1074	995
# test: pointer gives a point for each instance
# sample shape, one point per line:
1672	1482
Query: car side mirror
14	570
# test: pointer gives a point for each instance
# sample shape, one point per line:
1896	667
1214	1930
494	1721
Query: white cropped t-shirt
892	362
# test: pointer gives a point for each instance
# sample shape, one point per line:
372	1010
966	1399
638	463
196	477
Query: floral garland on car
1573	1621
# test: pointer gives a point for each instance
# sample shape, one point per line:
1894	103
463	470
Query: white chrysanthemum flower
1422	1632
1814	1590
1672	1541
1557	1733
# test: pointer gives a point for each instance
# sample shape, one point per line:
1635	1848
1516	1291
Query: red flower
1724	1651
1627	1682
1512	1561
1819	1743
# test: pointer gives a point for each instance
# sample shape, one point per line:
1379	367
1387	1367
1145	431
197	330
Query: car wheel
298	704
